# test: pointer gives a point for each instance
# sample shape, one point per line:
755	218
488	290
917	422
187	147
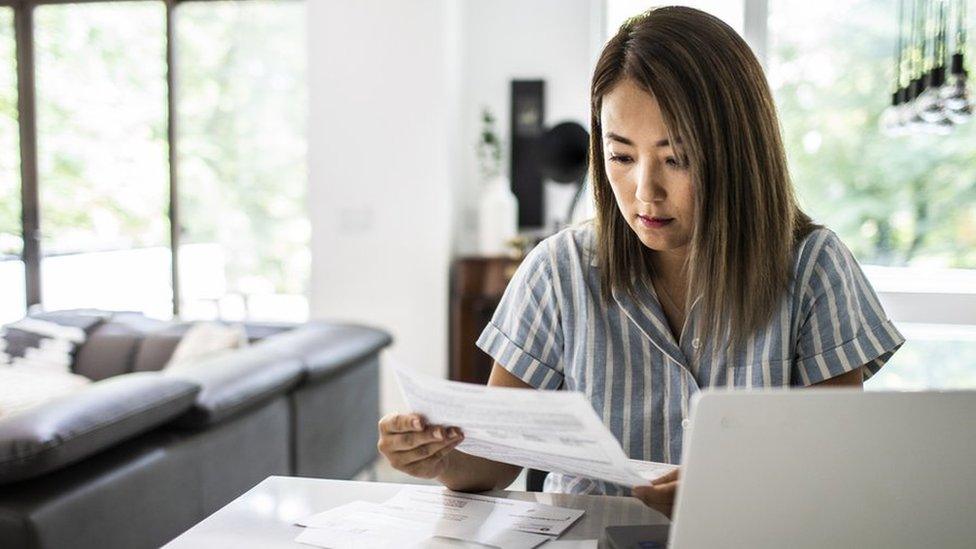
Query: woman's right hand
412	446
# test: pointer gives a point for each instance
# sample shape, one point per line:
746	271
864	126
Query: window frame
27	122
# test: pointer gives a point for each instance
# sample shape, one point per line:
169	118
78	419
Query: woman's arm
467	473
854	378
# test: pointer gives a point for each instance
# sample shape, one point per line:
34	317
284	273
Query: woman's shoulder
821	253
817	244
562	260
570	249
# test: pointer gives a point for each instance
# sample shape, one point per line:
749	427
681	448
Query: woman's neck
671	266
671	285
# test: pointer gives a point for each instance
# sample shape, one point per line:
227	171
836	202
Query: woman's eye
622	159
673	162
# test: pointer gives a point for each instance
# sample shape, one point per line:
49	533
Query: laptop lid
828	468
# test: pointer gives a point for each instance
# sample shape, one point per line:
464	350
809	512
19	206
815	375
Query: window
906	200
241	146
102	158
12	298
906	206
105	191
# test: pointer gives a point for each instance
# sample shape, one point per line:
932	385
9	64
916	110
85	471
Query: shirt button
685	423
695	343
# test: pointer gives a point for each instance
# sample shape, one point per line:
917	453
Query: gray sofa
139	456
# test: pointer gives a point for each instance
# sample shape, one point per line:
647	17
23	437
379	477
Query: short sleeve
842	324
524	334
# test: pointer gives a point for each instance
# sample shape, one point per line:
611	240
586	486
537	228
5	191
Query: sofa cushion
72	427
155	351
327	349
234	382
206	340
112	347
158	346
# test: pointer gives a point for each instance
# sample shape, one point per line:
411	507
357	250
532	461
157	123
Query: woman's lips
654	222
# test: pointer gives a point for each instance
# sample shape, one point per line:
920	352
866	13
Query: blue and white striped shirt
554	330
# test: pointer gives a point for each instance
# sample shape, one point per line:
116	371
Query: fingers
409	445
432	466
659	497
668	477
657	492
425	460
408	441
413	446
433	450
402	423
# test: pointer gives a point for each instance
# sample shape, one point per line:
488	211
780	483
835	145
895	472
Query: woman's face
649	177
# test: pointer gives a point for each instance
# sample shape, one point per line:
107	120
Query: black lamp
563	156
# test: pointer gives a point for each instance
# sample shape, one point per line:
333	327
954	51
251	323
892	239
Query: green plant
489	147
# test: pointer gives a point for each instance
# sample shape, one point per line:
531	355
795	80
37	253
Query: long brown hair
717	104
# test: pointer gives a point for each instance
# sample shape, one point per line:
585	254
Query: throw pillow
22	388
47	341
204	340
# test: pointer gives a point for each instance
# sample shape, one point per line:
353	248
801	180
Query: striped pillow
47	341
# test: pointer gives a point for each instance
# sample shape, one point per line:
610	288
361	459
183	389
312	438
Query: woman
699	270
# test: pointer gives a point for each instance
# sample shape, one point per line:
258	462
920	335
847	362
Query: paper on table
365	524
325	518
474	511
547	430
571	544
354	527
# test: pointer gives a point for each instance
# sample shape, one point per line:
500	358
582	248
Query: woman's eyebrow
616	137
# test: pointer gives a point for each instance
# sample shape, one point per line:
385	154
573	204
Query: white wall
395	95
504	40
379	159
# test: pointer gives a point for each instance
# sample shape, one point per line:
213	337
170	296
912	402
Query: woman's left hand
659	494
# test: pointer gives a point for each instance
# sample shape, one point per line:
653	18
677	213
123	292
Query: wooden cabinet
477	285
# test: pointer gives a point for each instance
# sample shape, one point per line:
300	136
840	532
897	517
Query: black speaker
528	125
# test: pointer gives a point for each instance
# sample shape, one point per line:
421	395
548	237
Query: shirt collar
644	311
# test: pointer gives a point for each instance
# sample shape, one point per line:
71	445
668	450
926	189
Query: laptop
828	468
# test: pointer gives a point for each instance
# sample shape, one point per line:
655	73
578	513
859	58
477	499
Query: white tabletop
264	516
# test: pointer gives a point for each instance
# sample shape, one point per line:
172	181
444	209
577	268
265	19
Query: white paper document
571	544
473	511
554	431
651	470
415	515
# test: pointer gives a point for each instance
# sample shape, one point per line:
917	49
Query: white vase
497	217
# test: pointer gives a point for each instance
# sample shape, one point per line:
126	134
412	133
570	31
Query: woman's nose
649	188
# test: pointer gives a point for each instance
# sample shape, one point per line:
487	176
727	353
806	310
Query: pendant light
955	93
931	88
892	115
931	107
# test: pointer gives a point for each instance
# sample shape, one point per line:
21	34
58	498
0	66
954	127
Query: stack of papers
556	431
416	515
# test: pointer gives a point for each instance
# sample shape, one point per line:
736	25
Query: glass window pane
907	200
242	169
12	298
933	357
103	168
